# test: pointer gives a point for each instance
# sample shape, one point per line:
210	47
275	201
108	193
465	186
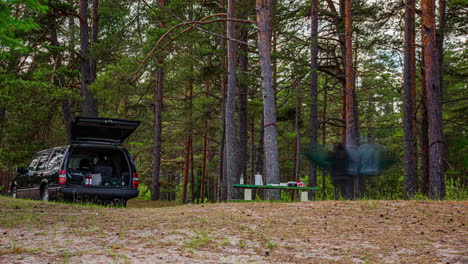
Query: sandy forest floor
307	232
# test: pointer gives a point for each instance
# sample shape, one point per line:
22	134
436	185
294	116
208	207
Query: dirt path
310	232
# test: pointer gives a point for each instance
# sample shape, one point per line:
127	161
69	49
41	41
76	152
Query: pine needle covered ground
307	232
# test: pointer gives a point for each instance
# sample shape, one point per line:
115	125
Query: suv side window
35	160
56	159
41	165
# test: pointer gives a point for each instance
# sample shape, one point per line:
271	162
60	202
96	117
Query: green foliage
13	23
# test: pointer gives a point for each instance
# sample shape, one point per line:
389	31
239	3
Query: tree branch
191	23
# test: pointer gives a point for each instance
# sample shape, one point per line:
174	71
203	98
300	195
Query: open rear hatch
101	130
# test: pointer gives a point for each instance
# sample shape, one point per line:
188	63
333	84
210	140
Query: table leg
248	194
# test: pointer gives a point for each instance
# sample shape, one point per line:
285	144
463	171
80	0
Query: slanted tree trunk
410	164
269	111
89	105
313	129
434	101
230	137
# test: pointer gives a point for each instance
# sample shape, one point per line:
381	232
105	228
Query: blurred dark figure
348	165
338	160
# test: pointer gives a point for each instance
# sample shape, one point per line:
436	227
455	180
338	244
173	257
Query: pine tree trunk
351	135
89	105
424	130
313	89
192	172
243	7
221	192
324	130
440	36
94	38
252	151
410	164
297	119
186	168
259	164
230	138
269	111
158	108
434	101
203	176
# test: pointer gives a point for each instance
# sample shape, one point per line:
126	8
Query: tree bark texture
242	157
351	110
94	38
221	192
440	36
158	108
313	89
269	111
203	176
324	130
297	119
424	130
89	104
187	145
230	138
434	101
410	164
351	137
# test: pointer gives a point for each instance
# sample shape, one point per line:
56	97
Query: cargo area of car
98	167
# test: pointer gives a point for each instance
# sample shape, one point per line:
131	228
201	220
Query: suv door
23	181
51	174
38	175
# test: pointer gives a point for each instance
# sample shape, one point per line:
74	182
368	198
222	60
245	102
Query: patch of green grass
225	242
242	244
198	241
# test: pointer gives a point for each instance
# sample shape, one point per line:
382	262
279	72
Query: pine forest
229	89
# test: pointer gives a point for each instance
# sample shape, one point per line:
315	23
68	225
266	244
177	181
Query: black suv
94	166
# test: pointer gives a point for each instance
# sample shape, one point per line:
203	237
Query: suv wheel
45	193
13	192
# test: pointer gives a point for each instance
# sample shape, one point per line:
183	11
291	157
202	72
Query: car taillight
136	181
62	179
